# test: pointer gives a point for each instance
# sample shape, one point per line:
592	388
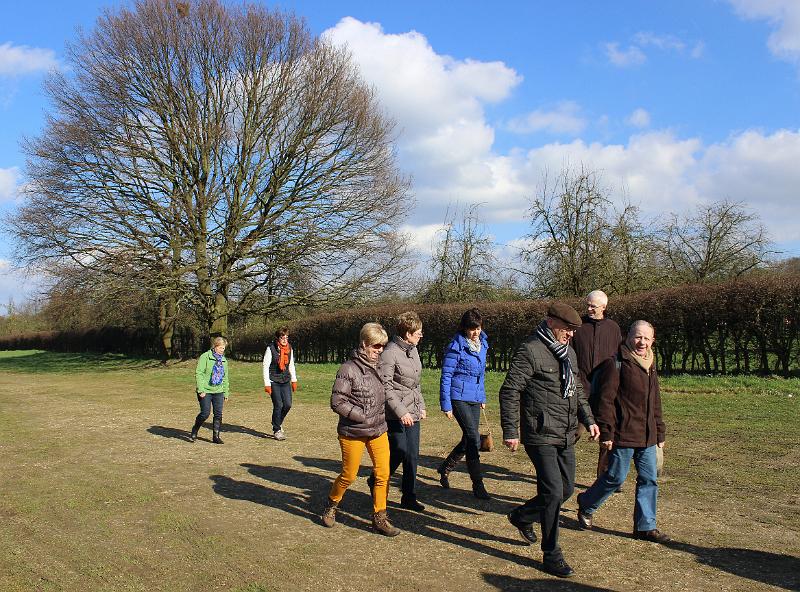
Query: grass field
101	491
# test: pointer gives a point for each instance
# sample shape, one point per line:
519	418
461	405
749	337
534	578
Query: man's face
641	340
595	307
562	332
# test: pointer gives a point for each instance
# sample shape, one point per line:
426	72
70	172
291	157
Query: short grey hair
636	324
599	295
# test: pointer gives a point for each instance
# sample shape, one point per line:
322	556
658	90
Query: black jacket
530	398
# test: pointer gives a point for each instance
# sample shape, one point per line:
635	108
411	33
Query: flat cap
564	312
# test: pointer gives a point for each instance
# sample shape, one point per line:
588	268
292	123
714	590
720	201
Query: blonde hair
218	341
372	333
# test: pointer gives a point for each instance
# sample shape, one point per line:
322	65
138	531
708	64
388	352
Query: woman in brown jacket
631	428
359	398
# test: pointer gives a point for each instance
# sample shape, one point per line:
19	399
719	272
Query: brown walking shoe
329	514
654	536
381	524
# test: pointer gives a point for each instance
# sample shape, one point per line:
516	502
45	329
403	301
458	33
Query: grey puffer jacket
400	370
359	398
530	398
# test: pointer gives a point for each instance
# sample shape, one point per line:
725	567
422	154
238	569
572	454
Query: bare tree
463	263
718	241
218	155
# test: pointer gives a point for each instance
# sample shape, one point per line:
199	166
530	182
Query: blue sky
676	103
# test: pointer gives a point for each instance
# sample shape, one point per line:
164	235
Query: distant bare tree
718	241
463	262
218	155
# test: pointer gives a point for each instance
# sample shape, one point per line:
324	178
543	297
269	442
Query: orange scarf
283	359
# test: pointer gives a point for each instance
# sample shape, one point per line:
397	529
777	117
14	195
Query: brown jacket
629	410
359	399
400	369
594	342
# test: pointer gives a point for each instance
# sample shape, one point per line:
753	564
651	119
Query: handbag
487	442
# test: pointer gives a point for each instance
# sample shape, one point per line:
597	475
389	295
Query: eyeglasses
377	346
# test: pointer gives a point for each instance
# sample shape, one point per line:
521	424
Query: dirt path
102	492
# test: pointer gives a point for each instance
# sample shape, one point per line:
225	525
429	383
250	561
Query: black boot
448	465
474	468
217	425
195	429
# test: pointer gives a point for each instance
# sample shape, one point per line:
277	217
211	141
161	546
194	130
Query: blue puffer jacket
463	373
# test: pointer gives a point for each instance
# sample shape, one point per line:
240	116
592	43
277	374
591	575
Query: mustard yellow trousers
352	451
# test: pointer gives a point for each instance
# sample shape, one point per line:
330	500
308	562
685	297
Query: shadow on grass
39	362
781	571
355	510
512	584
168	432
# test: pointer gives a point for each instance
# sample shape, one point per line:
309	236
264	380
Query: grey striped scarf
561	352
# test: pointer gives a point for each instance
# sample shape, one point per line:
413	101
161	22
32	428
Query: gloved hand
294	386
268	390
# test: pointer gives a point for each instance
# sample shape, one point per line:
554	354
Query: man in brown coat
596	340
631	428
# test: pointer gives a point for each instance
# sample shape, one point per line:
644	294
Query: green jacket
203	375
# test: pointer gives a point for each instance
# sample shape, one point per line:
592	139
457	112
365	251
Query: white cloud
564	119
635	55
624	58
20	59
438	103
447	145
639	118
9	181
783	15
421	237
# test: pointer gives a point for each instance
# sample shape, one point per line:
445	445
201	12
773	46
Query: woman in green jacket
211	377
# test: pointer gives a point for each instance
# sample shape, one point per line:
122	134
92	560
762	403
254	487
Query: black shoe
654	536
480	491
558	568
216	439
525	530
444	477
192	436
584	519
411	504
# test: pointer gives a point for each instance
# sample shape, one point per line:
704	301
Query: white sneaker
279	435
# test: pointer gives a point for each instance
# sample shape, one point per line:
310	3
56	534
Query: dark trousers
468	416
216	401
281	403
555	483
404	449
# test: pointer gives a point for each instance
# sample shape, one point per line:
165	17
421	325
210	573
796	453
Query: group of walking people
609	387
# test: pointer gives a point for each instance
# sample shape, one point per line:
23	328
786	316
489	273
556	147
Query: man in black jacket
543	395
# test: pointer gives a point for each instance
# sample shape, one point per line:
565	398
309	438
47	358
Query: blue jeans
644	513
281	403
216	400
468	416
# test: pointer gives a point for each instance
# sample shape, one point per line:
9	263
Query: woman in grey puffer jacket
401	369
359	398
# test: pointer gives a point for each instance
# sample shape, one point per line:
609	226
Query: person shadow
355	511
178	434
773	569
778	570
507	583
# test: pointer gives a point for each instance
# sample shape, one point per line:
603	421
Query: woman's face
413	338
373	351
472	334
283	339
219	349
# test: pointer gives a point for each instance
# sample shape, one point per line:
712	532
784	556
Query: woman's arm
448	369
342	398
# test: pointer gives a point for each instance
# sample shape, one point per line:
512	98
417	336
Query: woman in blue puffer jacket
462	395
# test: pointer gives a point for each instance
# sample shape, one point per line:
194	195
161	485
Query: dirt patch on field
102	491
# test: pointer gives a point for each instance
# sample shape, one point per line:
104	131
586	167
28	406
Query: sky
675	104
